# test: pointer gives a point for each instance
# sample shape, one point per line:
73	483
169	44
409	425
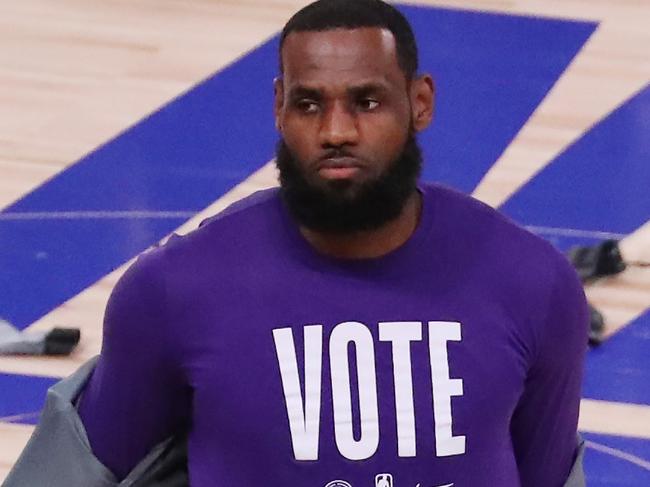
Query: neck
372	243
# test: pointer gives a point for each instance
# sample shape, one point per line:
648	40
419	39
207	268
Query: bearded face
348	205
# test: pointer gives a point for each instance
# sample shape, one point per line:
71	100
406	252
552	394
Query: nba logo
384	480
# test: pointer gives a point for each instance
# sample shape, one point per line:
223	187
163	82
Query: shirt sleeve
544	424
136	396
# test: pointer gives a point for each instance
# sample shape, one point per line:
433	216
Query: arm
136	396
58	453
544	424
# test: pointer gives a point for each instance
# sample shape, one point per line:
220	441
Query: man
354	327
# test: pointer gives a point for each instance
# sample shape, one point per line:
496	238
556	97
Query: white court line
573	232
615	418
20	417
93	215
141	214
628	457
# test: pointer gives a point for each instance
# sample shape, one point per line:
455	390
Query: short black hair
324	15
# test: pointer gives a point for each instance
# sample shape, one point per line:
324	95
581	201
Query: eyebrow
305	92
370	88
362	89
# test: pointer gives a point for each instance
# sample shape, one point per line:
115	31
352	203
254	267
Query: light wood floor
74	73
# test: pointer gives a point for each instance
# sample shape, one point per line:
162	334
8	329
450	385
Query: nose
338	127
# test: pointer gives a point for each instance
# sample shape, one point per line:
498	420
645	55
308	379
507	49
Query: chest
356	375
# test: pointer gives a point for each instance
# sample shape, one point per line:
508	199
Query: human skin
344	107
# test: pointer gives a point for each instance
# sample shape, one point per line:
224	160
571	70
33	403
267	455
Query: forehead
341	57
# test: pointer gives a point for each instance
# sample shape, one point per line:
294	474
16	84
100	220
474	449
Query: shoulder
244	209
160	280
498	239
531	279
220	243
243	221
472	214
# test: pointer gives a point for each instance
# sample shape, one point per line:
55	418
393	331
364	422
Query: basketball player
354	325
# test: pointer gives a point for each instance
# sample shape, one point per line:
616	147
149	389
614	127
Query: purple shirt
456	358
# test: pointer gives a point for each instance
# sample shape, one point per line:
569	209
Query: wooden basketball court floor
75	75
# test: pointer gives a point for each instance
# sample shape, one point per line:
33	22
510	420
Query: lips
338	167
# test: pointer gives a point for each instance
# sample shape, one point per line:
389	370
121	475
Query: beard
345	206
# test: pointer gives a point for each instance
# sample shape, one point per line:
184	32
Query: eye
368	104
307	106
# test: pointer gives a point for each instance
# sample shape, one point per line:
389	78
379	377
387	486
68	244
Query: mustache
337	153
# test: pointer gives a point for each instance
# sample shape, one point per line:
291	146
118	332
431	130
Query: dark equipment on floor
57	341
592	263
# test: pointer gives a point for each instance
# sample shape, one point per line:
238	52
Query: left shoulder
491	232
522	270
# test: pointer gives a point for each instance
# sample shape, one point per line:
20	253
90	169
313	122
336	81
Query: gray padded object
58	454
577	475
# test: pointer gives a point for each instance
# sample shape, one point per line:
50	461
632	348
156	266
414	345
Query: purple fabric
197	332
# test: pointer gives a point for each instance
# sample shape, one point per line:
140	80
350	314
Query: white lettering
401	334
342	336
303	411
444	388
304	416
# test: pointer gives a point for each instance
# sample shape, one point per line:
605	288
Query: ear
278	103
422	101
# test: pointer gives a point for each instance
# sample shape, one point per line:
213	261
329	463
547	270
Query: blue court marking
179	159
614	461
600	183
46	263
492	71
619	370
26	397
